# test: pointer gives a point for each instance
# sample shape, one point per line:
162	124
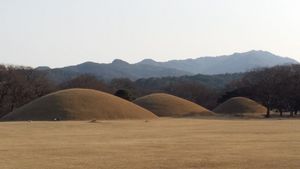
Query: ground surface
164	143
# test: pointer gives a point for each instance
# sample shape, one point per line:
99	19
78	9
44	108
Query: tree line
277	88
20	85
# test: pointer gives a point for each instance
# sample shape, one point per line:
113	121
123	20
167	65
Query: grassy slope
240	105
171	106
164	143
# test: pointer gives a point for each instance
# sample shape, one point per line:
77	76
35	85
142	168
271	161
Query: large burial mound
240	106
79	104
171	106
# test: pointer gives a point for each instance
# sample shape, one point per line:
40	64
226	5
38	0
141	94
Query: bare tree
194	92
278	88
20	85
85	81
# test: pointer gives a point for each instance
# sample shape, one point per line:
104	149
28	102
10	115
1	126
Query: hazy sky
65	32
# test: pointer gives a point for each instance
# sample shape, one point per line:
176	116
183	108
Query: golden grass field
164	143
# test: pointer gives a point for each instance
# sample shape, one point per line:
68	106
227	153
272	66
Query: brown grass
171	106
241	106
158	144
79	104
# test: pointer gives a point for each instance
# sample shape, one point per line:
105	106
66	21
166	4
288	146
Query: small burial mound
240	106
166	105
79	104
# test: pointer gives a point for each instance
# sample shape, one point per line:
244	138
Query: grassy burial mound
79	104
240	106
166	105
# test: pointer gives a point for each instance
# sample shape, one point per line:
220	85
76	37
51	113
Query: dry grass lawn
164	143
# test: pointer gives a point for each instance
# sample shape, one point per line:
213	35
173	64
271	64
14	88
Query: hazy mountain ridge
116	69
235	63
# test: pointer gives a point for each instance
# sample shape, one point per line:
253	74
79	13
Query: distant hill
116	69
235	63
43	68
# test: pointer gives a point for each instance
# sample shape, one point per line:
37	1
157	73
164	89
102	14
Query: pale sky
57	33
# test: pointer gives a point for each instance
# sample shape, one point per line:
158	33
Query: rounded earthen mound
166	105
240	106
79	104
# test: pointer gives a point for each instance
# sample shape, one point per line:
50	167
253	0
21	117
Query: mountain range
235	63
